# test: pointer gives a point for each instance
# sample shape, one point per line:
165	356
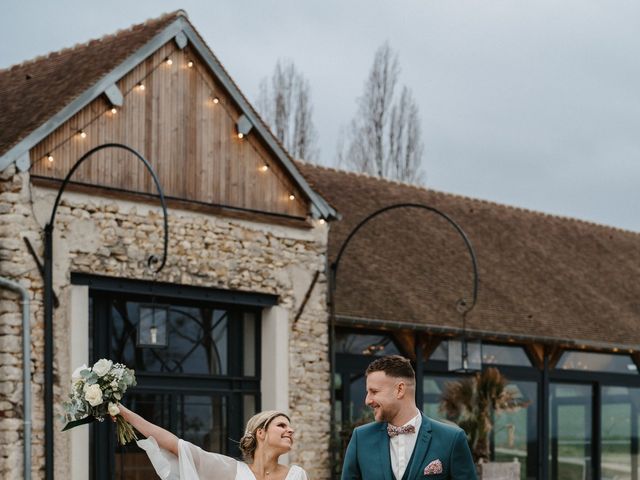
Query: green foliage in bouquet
95	393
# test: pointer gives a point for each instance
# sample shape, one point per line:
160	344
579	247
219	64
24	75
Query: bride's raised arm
165	438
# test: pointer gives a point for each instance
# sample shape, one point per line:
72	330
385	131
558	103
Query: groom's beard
384	414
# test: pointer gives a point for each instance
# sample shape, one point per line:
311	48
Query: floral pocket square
433	468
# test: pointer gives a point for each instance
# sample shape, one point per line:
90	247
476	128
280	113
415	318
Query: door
571	431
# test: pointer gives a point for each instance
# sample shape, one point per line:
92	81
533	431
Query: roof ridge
474	199
108	36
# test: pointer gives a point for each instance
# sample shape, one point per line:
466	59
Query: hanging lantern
152	326
465	355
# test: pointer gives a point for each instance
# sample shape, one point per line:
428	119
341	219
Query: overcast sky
529	103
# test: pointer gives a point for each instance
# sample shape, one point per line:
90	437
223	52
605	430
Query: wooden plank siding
190	141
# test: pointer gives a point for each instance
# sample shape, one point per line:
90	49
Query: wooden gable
182	120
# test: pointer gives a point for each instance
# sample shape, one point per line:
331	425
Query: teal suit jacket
368	456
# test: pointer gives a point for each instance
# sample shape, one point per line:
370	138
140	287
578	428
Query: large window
620	415
571	431
514	436
197	368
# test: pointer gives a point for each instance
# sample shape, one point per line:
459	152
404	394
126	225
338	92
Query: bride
267	436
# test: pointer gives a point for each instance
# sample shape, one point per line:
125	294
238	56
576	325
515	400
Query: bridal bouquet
95	393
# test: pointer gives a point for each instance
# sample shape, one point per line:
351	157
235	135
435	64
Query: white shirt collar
415	421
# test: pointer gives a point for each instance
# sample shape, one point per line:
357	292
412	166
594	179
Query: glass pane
504	355
620	433
248	407
570	432
202	420
491	354
433	387
599	362
249	364
515	434
441	352
365	344
358	411
197	340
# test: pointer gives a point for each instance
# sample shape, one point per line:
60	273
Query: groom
403	443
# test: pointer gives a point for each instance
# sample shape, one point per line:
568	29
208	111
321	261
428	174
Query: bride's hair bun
249	441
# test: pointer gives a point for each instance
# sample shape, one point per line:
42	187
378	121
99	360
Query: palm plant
472	403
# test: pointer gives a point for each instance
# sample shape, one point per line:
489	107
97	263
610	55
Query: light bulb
321	221
292	197
141	86
189	64
114	110
154	334
240	135
83	134
264	167
50	157
169	61
215	100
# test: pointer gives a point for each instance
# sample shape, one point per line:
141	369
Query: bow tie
394	431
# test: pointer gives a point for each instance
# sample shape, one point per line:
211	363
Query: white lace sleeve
192	462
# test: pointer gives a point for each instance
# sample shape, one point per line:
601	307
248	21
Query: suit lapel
384	452
420	450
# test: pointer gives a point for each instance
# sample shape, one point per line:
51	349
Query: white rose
102	367
75	376
93	394
113	409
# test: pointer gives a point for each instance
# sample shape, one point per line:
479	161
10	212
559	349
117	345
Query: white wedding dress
193	463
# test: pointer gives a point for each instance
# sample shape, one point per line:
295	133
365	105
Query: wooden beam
536	354
407	341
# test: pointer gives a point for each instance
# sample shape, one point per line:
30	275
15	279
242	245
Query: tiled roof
540	275
33	91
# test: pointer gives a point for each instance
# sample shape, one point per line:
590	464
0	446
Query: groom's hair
394	366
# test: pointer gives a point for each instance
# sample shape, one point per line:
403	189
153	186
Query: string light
141	86
321	221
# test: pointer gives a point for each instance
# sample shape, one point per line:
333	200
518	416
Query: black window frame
234	386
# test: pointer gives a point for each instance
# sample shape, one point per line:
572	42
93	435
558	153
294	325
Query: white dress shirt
401	447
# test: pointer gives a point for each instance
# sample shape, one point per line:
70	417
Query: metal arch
336	263
152	259
48	293
465	309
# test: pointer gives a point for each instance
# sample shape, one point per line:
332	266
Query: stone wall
17	221
114	238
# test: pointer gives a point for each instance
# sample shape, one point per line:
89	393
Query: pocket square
433	468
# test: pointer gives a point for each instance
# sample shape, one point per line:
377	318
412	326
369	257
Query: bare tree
284	101
385	137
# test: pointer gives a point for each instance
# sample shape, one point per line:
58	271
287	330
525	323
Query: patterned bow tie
394	431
